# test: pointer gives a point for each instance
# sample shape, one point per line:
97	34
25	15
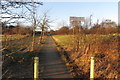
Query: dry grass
103	47
22	61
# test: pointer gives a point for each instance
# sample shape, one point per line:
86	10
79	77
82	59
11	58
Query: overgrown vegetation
19	54
18	29
102	28
103	47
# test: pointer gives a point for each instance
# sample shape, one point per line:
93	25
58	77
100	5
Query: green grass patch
70	40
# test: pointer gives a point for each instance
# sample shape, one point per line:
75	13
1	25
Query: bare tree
8	7
29	6
44	25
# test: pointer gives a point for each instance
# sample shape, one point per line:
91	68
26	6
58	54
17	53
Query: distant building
108	23
41	30
38	29
77	21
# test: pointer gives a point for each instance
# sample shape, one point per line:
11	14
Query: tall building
76	21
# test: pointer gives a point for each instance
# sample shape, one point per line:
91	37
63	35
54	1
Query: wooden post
36	69
92	69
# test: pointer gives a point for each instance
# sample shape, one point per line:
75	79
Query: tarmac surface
51	65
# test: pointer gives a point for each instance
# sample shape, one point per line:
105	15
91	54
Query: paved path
52	65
